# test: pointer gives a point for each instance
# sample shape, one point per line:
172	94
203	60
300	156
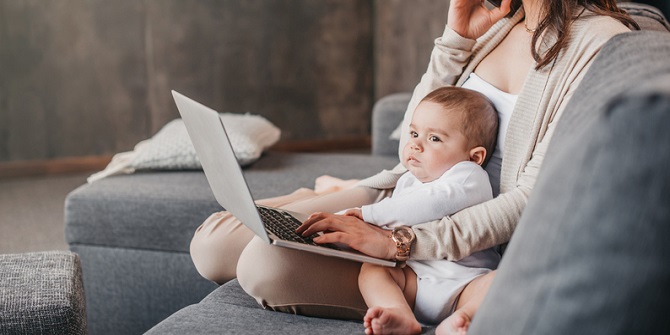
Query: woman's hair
560	16
479	119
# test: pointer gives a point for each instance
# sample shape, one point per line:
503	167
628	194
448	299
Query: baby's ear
477	155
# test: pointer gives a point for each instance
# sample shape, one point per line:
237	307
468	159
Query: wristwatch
403	237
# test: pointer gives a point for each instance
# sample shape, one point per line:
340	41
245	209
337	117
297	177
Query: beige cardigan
540	104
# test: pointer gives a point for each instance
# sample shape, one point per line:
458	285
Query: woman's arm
464	185
449	57
493	222
447	60
475	228
467	20
352	231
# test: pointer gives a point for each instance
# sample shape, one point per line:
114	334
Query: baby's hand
354	212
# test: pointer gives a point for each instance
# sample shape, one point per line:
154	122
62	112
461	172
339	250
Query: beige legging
283	279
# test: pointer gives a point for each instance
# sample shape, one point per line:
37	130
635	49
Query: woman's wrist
403	237
455	40
391	246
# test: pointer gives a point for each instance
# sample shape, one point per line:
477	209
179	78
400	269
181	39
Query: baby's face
436	142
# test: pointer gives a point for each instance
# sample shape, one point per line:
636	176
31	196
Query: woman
529	63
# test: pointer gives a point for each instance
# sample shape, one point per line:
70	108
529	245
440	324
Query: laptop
224	175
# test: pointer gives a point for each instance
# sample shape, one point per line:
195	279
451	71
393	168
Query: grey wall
404	35
92	77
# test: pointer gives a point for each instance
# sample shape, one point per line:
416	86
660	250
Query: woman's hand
471	19
351	231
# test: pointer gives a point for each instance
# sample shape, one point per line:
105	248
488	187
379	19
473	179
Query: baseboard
57	166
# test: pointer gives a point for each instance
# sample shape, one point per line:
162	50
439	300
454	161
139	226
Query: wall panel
404	36
92	77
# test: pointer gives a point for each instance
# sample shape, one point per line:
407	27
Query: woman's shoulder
590	31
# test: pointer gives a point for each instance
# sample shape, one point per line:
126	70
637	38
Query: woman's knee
216	246
267	272
300	282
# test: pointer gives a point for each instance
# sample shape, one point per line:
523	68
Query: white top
504	104
414	202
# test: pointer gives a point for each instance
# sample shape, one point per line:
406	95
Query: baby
452	135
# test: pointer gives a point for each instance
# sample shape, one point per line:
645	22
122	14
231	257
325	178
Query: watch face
402	235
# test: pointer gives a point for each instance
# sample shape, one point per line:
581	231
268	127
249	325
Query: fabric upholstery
662	5
590	253
130	290
230	310
386	115
648	17
160	211
171	147
41	293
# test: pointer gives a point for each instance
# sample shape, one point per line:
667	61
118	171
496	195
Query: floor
31	212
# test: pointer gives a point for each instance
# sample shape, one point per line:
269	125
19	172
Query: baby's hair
479	119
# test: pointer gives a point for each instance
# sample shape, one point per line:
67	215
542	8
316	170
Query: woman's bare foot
328	184
456	324
380	320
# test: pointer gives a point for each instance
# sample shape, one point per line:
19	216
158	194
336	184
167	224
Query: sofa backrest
648	17
624	64
590	253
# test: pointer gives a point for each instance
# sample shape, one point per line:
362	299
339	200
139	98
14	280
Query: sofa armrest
387	114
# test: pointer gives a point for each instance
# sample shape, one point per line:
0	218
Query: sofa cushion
161	210
229	310
590	254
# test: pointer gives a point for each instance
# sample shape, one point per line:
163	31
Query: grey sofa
133	232
42	293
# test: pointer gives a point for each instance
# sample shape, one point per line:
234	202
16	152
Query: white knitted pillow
171	148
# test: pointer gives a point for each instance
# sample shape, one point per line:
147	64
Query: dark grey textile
662	5
387	114
158	211
129	290
41	293
590	255
230	310
161	210
648	17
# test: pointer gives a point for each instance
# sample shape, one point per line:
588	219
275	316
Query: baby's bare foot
380	320
456	324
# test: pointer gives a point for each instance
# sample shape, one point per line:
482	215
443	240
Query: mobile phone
495	2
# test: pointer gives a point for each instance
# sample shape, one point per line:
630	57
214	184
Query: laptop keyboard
283	225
